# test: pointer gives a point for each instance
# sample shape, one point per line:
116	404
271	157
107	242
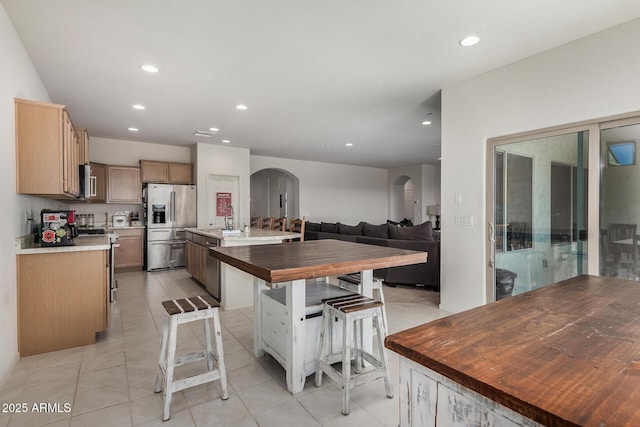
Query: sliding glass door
539	195
619	200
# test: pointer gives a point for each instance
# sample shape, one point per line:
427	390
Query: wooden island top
567	354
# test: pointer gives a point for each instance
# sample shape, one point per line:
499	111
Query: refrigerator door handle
173	206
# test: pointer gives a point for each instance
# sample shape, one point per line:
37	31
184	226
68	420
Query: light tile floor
111	383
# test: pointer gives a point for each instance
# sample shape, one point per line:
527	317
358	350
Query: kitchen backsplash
103	212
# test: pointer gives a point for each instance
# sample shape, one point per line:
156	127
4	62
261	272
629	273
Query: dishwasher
213	271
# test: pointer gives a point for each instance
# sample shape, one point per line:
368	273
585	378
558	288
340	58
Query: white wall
129	153
426	181
18	79
590	78
332	192
126	153
219	160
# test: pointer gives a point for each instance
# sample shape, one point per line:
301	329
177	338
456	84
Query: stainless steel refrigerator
169	210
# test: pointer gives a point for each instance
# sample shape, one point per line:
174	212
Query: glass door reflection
540	212
619	202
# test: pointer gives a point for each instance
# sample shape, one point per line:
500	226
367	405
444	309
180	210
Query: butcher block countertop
567	354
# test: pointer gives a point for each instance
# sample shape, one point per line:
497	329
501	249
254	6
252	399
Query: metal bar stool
183	311
352	310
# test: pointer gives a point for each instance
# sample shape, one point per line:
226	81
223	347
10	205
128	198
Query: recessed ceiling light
149	68
426	123
138	107
349	144
214	129
241	107
469	41
226	141
133	129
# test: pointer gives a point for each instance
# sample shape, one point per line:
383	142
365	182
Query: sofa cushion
417	232
312	226
371	230
329	227
351	229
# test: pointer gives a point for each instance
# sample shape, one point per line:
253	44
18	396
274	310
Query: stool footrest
192	357
355	379
195	380
201	308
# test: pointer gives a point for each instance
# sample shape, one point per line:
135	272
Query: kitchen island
232	287
63	293
567	354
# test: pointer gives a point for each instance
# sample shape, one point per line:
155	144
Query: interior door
222	188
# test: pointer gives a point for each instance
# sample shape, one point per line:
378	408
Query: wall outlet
463	220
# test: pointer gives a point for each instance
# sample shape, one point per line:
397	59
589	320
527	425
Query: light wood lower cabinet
130	253
197	261
62	299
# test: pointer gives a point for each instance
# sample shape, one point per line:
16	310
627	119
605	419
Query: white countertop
253	234
25	245
110	227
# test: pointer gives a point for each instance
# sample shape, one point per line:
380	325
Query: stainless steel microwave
87	182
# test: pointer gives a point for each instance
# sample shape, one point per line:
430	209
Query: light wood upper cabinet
180	173
153	171
124	185
83	146
47	151
99	171
166	172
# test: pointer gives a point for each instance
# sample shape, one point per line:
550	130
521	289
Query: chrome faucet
228	222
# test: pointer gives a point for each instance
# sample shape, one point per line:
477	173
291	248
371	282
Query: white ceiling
314	74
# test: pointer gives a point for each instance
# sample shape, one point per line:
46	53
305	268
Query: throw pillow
329	227
355	230
312	226
371	230
417	232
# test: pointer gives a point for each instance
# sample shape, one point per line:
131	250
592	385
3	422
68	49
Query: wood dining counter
567	354
283	332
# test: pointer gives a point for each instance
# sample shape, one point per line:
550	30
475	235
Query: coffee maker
58	228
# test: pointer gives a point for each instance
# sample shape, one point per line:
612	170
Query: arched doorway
402	199
275	192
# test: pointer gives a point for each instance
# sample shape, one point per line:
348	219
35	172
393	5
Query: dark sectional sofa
418	238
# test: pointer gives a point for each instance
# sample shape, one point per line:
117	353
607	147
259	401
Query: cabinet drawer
200	239
123	232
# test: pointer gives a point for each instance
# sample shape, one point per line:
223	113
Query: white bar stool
352	310
352	282
183	311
